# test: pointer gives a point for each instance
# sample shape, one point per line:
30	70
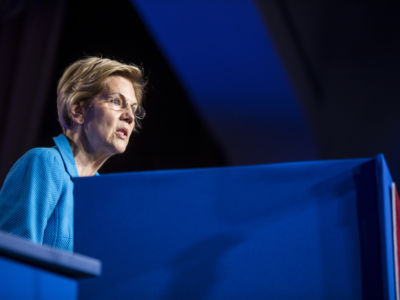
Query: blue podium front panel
312	230
23	282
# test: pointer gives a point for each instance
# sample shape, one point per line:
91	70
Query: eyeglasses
116	102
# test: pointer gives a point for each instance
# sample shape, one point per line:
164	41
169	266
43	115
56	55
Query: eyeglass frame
137	110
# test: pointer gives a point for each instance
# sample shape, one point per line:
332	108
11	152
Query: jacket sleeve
30	193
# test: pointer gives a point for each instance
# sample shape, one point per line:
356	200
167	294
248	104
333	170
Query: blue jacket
36	200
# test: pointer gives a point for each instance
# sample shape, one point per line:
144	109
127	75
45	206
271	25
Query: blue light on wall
223	56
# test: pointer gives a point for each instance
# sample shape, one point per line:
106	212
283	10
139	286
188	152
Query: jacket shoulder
43	154
39	158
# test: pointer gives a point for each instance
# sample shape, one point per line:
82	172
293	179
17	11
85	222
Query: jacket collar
65	150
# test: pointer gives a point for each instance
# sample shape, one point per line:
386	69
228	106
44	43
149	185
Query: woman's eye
116	101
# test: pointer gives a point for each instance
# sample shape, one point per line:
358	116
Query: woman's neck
88	161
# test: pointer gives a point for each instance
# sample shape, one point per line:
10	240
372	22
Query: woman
99	106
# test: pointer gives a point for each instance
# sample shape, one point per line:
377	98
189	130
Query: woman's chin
120	148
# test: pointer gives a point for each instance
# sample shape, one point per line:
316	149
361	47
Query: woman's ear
77	113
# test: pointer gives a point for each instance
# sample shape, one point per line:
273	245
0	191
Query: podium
307	230
32	271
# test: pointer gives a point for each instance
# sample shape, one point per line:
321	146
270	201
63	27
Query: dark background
341	58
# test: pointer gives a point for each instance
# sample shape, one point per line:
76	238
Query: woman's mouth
122	133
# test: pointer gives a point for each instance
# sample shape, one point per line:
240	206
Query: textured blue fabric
36	200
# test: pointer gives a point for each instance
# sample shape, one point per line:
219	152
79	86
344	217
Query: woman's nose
128	116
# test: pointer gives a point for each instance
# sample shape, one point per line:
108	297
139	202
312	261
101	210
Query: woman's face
107	129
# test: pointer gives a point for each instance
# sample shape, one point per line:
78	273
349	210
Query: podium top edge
356	161
50	259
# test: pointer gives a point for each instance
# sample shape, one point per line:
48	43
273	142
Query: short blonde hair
85	78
